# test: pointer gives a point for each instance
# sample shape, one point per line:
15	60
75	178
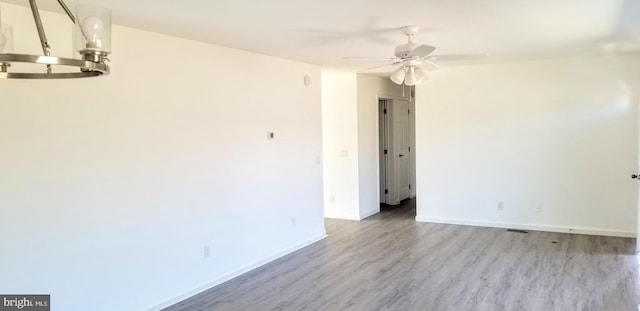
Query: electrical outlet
332	199
293	222
500	206
206	252
539	208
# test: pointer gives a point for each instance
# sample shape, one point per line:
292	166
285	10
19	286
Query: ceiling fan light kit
410	76
92	40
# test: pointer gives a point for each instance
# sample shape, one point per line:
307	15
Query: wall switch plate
206	252
500	206
270	135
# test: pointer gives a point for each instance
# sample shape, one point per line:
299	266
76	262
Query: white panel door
402	147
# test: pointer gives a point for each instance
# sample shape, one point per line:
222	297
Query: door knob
635	176
400	156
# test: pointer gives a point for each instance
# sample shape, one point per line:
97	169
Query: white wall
112	187
560	134
340	145
350	136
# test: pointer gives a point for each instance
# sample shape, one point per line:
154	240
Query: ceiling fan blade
456	57
376	67
422	50
373	58
430	66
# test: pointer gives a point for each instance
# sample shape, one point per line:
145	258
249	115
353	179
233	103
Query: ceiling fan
410	56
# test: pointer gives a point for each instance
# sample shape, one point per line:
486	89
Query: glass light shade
6	38
93	29
421	75
410	79
398	76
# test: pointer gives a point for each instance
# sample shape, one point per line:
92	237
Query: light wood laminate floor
390	262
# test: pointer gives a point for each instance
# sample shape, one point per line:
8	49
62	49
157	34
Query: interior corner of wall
369	213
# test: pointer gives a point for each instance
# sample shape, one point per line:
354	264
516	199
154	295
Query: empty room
319	155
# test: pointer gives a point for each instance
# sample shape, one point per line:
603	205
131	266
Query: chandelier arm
46	49
66	10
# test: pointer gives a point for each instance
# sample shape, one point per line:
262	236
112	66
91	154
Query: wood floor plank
390	262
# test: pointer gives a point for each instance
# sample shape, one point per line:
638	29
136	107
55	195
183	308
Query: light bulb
93	29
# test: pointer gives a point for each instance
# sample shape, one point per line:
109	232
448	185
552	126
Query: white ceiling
321	32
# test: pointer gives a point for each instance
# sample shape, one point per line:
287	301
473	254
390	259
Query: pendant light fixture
92	41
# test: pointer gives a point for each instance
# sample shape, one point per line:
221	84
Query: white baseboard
534	227
369	213
350	216
234	274
342	216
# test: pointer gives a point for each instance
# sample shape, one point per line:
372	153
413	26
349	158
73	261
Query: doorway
396	152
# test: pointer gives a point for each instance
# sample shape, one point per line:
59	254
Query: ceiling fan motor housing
404	50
